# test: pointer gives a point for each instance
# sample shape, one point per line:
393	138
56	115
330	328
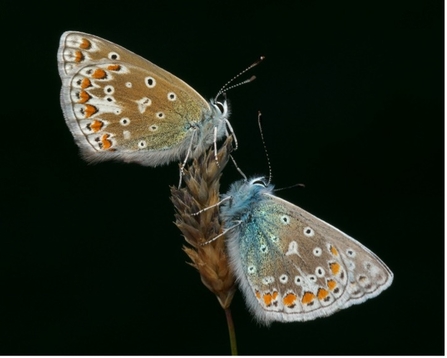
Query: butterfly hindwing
292	266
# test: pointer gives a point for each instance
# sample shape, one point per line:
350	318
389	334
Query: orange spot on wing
99	74
334	251
83	97
85	83
289	300
267	299
258	294
275	295
335	267
105	142
331	284
78	56
322	294
90	110
95	126
114	67
85	44
308	297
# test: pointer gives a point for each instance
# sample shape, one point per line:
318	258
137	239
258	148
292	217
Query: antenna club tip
258	61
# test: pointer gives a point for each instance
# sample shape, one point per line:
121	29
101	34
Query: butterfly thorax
245	196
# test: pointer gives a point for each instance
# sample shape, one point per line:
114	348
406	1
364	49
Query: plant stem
231	331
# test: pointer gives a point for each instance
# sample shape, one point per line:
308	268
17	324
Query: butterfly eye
220	106
259	182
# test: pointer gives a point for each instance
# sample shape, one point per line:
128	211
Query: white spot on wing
293	249
143	103
126	134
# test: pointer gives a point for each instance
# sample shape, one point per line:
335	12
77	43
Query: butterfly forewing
77	49
119	105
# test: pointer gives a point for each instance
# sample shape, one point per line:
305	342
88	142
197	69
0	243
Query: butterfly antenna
289	187
237	167
182	167
226	86
265	147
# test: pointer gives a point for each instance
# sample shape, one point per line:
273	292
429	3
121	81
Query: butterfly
120	106
291	265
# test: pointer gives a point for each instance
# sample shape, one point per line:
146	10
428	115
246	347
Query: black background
352	102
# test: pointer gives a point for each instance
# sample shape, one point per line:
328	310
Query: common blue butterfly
120	106
290	265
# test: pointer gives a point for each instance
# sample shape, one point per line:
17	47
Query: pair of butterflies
290	265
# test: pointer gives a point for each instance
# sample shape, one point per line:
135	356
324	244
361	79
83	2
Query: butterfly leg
238	222
215	147
188	153
211	206
231	131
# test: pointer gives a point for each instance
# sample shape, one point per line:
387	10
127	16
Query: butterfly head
220	108
213	126
244	194
261	182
